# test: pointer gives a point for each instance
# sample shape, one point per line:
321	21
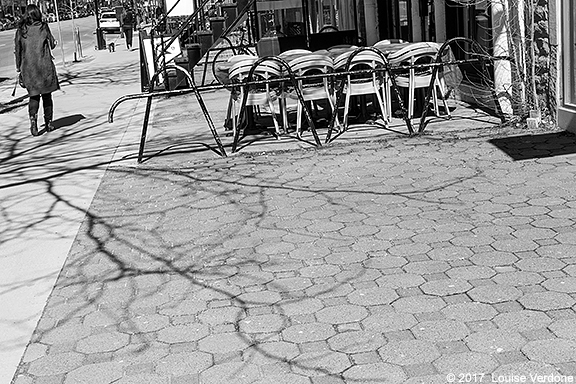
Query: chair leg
333	108
284	110
346	111
299	120
381	105
387	97
274	118
435	100
234	119
411	92
229	110
441	86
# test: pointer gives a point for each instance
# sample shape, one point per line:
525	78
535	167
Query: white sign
182	8
170	53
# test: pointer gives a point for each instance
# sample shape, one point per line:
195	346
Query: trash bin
176	79
194	56
217	26
206	40
268	46
229	12
100	39
240	4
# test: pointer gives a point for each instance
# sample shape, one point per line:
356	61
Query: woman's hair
32	15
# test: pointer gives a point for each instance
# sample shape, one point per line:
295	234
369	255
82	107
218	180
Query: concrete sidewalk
49	181
376	259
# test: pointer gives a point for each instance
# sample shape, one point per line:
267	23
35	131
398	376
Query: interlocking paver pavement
377	262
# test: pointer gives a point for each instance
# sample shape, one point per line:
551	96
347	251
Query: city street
64	35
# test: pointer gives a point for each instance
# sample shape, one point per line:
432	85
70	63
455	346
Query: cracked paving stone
103	342
356	341
494	293
320	363
270	352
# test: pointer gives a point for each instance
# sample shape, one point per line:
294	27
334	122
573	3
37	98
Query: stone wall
544	57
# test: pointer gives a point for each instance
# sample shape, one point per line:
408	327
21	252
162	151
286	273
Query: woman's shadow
67	121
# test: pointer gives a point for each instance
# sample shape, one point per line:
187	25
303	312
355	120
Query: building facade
539	36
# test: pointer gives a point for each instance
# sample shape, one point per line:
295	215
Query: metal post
74	31
100	43
59	32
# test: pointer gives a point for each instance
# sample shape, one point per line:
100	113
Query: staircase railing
197	22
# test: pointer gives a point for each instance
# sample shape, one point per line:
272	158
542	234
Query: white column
371	18
502	68
440	20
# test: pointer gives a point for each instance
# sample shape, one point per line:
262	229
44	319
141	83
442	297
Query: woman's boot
48	116
34	125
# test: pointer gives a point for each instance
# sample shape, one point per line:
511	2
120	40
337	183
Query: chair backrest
414	52
362	59
237	58
265	70
294	52
389	41
313	62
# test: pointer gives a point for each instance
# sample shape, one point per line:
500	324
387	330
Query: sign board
181	7
170	53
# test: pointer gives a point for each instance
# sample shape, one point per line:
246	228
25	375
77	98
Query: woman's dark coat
34	59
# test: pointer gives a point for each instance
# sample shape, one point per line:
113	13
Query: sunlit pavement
430	259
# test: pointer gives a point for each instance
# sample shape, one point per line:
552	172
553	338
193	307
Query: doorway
395	19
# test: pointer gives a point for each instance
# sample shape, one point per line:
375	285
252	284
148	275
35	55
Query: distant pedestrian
128	23
33	44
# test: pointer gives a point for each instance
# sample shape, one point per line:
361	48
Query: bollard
79	42
194	56
100	39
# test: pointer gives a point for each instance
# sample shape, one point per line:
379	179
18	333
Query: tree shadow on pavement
158	244
214	244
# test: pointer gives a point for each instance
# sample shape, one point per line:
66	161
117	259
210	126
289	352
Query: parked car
109	23
7	23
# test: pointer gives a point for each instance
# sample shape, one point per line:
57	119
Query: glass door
395	19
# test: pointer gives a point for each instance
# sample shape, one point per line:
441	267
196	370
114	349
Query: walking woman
33	49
